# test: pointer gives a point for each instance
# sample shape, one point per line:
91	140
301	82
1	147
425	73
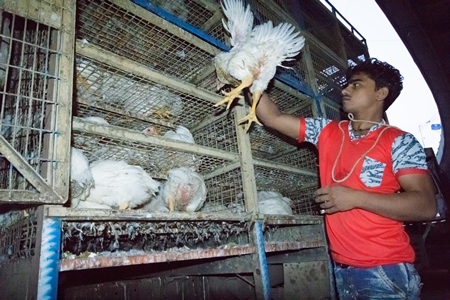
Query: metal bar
49	259
102	262
312	254
25	169
353	29
182	24
172	256
226	265
263	270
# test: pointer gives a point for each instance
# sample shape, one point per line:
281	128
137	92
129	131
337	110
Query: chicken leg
171	203
251	117
236	92
125	205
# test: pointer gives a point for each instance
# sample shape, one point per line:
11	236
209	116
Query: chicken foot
236	92
251	117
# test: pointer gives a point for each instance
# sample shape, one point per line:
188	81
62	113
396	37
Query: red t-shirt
358	237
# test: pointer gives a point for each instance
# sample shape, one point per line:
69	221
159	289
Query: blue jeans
399	281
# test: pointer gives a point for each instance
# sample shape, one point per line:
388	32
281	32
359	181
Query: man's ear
382	93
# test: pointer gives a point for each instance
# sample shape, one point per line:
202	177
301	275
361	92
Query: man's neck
364	123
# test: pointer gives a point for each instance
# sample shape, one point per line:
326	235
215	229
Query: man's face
359	94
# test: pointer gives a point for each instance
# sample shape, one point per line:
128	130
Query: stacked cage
36	74
140	70
36	86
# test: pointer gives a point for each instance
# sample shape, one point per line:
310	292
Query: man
373	177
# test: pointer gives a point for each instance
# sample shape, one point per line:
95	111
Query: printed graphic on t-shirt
313	128
372	172
407	153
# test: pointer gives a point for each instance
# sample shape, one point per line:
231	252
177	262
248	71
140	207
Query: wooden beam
26	170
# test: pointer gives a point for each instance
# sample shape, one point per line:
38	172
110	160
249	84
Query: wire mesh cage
109	86
332	110
320	23
155	155
329	72
130	31
18	234
205	15
117	89
36	86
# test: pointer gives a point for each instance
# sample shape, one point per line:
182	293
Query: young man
373	177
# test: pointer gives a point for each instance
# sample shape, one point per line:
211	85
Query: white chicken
96	85
81	179
178	158
273	203
120	185
184	190
181	134
95	120
255	54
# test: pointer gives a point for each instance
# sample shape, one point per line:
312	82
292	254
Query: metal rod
49	259
262	259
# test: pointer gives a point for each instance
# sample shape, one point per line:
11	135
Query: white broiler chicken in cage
181	134
184	190
273	203
81	179
95	120
96	85
151	101
255	54
120	185
177	158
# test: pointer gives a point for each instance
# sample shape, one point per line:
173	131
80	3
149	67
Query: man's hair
383	74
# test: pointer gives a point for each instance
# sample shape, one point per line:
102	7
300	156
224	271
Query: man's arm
416	203
270	115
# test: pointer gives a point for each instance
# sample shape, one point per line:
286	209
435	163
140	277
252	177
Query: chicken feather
184	190
120	185
81	179
255	54
273	203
